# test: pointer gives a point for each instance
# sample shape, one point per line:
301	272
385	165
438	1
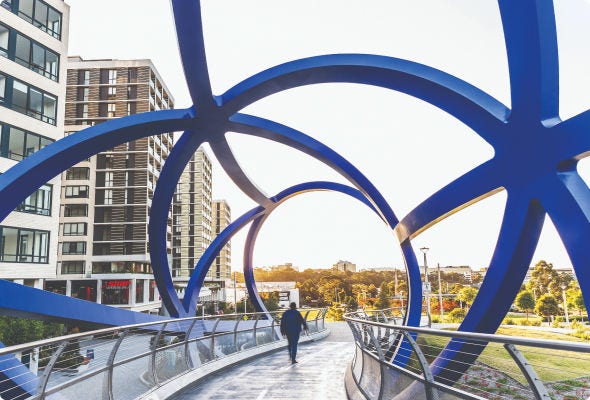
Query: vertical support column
107	392
528	371
48	368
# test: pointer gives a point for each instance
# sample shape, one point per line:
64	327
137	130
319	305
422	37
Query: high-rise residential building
221	219
192	232
33	48
103	253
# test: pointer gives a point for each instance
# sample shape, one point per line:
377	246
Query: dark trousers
292	339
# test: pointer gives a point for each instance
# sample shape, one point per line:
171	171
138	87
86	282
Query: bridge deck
319	373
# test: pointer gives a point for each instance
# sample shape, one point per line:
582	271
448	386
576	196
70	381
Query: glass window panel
40	251
2	87
49	108
25	245
8	244
22	52
44	142
38	60
19	96
25	9
3	40
41	14
33	143
52	64
35	102
54	22
16	144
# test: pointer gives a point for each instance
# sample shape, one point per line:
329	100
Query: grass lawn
550	365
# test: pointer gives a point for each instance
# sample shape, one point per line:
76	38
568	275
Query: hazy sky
406	147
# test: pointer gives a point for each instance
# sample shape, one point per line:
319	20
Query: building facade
33	49
221	269
103	253
192	216
344	266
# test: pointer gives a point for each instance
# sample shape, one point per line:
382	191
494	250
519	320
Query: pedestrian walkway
319	373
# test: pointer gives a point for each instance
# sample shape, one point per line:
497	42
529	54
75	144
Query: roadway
319	373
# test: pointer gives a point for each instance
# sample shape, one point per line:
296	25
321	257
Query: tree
21	330
577	300
525	302
383	301
546	306
467	295
544	280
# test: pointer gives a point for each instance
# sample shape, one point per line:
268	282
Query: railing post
528	371
212	346
47	371
254	330
431	392
236	335
154	348
187	357
305	319
107	392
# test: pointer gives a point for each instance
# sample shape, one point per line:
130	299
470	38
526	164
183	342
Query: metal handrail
410	382
191	337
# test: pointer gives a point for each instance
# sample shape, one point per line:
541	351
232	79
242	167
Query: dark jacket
291	322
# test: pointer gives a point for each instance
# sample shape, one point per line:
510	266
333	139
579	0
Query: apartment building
221	269
33	49
103	253
192	232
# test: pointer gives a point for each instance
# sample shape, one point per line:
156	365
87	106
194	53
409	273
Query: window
108	179
72	192
2	88
34	56
83	77
75	210
112	76
82	110
111	109
17	144
76	173
38	203
108	197
72	267
24	245
132	75
4	31
83	94
111	92
40	14
131	108
29	100
74	229
73	248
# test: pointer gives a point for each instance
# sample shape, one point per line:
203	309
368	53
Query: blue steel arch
546	185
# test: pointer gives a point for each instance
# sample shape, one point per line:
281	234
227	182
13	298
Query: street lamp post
440	294
424	250
567	319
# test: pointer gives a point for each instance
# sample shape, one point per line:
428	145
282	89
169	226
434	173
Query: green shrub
457	315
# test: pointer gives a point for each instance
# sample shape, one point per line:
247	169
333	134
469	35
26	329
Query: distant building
192	220
221	268
464	270
105	200
344	266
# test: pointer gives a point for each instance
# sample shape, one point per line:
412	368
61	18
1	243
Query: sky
406	147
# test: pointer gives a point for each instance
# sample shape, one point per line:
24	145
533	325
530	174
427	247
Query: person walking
291	323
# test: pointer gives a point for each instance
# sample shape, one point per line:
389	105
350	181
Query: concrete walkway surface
319	373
